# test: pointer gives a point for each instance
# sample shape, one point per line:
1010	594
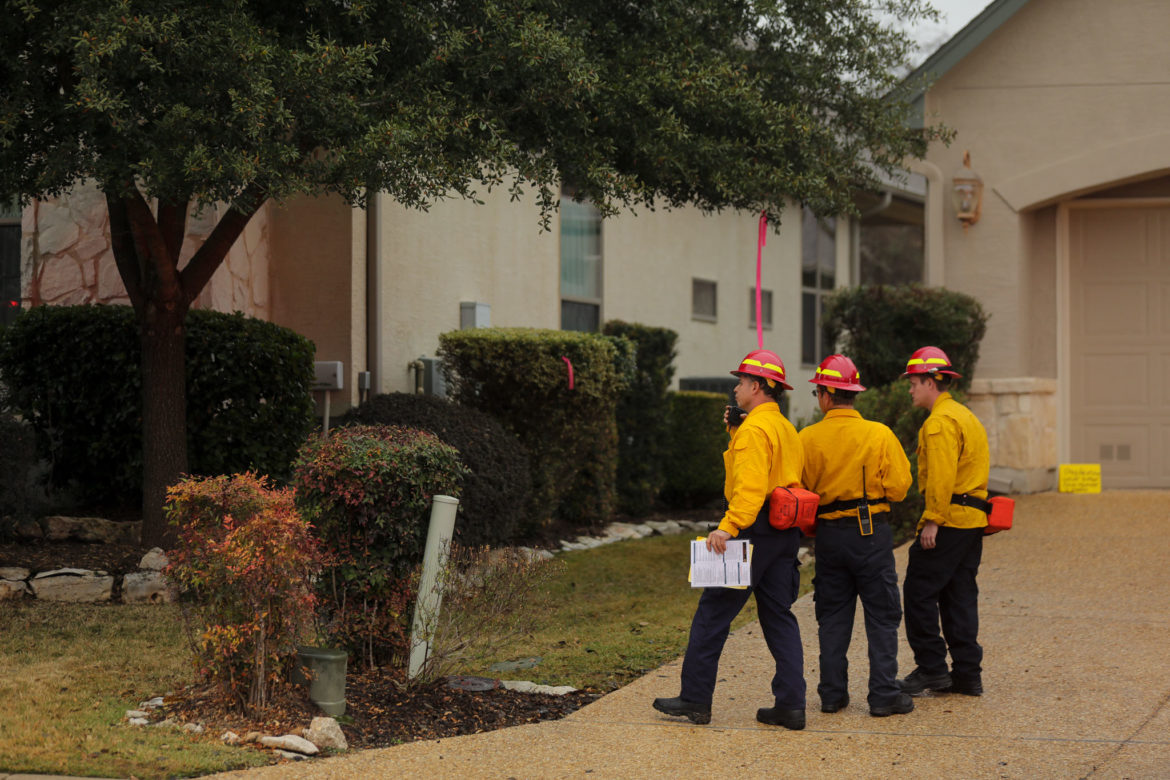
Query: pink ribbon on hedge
569	363
763	239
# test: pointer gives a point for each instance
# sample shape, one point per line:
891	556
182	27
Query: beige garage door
1119	284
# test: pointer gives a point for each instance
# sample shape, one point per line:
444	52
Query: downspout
374	292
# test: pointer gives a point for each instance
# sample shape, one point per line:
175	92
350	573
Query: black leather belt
878	518
972	501
853	503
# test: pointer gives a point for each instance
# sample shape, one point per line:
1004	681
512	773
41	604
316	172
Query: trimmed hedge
519	376
367	490
642	415
498	485
19	499
694	458
73	373
880	326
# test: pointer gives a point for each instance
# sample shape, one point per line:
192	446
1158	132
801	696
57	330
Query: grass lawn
70	671
614	614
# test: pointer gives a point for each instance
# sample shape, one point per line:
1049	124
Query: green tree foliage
642	415
879	327
168	103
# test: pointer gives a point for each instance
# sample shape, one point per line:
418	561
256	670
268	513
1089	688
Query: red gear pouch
793	507
1000	516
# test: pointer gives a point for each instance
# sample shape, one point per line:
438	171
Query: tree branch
161	282
205	262
125	257
172	222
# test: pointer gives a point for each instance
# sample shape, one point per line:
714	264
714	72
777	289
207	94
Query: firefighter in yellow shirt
953	466
858	468
764	453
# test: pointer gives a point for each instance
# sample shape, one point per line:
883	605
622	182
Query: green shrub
642	415
73	374
498	484
246	562
697	441
19	497
518	375
880	326
367	490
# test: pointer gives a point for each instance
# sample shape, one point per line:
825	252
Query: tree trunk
164	415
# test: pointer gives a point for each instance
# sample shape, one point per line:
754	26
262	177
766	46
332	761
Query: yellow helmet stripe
773	366
830	372
920	361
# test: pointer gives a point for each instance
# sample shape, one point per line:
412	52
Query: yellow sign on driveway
1080	477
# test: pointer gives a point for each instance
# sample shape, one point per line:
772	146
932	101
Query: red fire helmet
929	360
838	371
763	363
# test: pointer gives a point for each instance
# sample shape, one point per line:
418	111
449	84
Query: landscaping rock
152	704
147	587
291	756
138	721
252	736
137	714
665	527
290	742
73	585
155	560
230	738
13	573
11	590
192	728
90	529
326	733
525	686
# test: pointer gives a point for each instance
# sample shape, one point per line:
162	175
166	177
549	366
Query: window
891	245
580	265
765	308
818	268
703	294
9	262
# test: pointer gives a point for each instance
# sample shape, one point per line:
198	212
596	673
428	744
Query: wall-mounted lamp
967	193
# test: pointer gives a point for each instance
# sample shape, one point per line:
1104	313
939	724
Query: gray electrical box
433	382
328	375
473	314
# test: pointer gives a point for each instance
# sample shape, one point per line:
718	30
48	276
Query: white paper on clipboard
729	569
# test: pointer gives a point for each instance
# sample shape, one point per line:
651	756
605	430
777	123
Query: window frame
704	316
824	226
598	301
766	299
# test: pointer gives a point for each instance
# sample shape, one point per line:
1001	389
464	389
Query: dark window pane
9	273
703	298
765	307
827	280
808	328
580	316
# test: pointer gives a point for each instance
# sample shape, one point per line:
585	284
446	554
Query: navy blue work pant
940	586
849	566
775	584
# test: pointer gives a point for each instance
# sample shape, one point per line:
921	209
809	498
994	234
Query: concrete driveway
1075	612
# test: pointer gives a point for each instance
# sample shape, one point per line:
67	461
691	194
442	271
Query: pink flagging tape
569	363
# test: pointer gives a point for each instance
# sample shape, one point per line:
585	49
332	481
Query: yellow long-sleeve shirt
953	459
843	446
764	454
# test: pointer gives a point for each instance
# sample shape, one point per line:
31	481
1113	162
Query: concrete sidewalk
1075	609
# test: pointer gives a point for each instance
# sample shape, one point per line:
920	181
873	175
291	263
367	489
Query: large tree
170	105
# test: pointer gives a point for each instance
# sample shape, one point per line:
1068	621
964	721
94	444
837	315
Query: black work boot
836	705
968	686
900	706
774	716
696	713
918	682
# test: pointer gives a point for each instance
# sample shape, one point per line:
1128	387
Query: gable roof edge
956	49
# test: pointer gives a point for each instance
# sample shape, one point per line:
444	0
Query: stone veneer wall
1020	415
66	256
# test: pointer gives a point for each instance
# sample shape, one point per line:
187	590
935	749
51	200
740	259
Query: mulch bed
379	712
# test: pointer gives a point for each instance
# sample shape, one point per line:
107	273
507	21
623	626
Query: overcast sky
954	16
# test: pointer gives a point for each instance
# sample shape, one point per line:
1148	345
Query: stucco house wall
1064	99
